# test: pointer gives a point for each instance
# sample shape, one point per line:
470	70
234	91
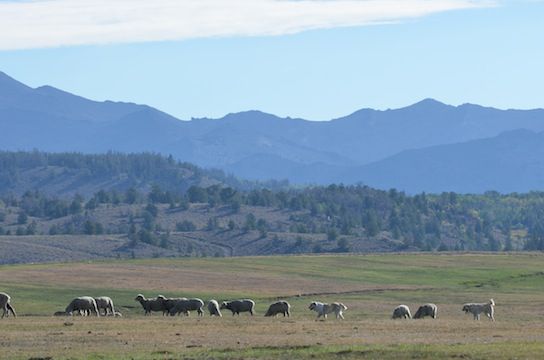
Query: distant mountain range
428	146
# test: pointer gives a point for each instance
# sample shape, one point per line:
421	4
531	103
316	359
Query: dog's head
466	308
491	302
312	306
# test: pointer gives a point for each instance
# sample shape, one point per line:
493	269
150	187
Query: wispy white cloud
51	23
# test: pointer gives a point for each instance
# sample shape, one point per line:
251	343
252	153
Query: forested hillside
68	174
220	220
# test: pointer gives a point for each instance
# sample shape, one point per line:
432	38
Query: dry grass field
370	285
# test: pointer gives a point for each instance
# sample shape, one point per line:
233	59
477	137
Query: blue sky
324	65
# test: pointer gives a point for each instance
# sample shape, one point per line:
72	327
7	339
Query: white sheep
149	305
426	310
5	305
238	306
186	305
213	308
280	307
402	312
84	305
105	303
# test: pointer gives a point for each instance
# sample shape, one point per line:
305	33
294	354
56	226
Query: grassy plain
370	285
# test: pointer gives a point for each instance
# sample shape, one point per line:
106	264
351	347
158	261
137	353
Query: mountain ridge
511	162
53	120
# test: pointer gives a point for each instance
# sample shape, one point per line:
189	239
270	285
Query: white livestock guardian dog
322	309
476	309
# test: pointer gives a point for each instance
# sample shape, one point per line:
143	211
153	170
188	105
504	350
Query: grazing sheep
402	312
213	308
171	303
149	305
426	310
323	309
105	303
280	307
5	305
82	304
238	306
186	305
476	309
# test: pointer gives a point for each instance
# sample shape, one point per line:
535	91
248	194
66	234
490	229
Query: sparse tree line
447	221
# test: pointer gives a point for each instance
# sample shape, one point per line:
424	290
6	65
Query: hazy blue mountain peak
9	84
252	115
429	102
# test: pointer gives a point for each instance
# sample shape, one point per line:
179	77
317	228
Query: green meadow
369	285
